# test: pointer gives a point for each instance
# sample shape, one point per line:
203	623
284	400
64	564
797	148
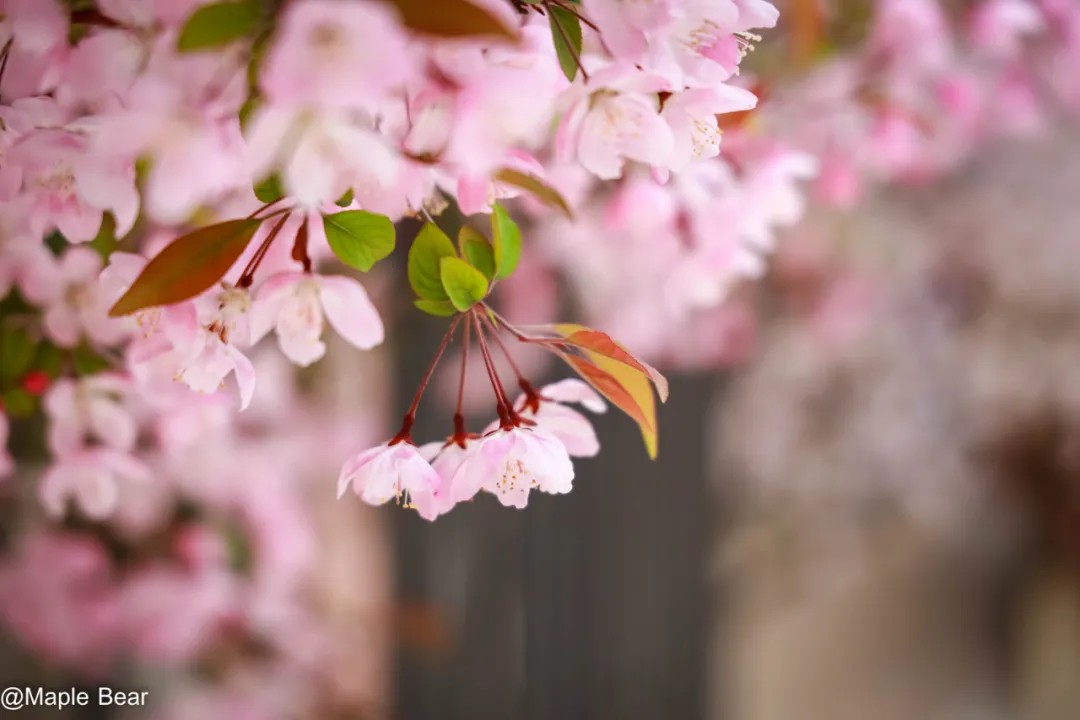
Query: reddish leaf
187	266
451	18
630	393
537	187
596	343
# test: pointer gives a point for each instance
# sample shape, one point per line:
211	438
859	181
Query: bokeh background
870	510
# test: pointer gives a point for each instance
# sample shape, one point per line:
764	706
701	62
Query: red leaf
187	266
451	18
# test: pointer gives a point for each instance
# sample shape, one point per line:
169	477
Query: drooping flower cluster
528	448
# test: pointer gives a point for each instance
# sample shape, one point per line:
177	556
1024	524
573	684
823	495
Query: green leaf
187	266
507	242
466	233
18	403
537	187
105	240
17	351
269	190
565	26
451	18
220	23
88	362
481	256
438	308
428	249
359	238
464	284
346	199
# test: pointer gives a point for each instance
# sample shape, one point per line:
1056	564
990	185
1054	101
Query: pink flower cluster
121	122
508	461
929	88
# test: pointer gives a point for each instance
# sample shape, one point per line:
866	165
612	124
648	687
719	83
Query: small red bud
36	382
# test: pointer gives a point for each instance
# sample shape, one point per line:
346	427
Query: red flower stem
464	364
249	271
264	208
4	57
505	351
434	362
552	344
501	403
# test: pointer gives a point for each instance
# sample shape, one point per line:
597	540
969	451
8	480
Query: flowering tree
179	179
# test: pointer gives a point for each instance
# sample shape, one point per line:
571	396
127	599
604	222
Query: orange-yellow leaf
626	388
187	266
599	343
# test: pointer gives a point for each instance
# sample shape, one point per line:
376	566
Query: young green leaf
187	266
428	249
17	351
451	18
438	308
269	190
87	362
566	34
465	234
464	284
480	255
217	24
17	402
359	238
543	192
507	242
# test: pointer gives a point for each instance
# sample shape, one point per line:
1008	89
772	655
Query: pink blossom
91	408
566	424
691	115
502	102
22	255
172	615
38	30
618	120
91	478
320	155
387	472
333	55
204	339
911	33
181	112
294	303
446	458
58	597
477	193
999	27
694	42
67	187
100	70
75	304
510	463
145	13
625	27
